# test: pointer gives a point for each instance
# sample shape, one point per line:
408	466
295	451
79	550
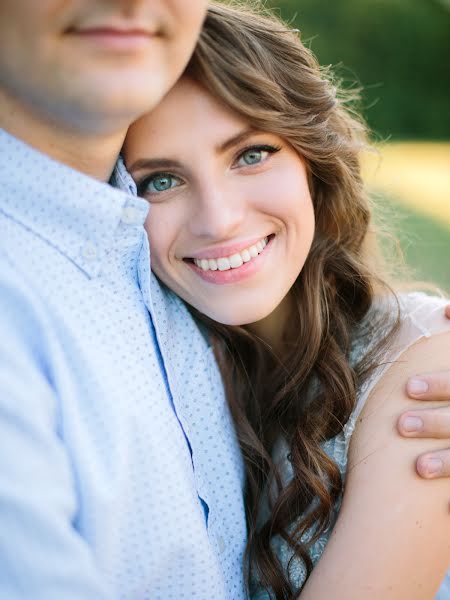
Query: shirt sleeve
42	556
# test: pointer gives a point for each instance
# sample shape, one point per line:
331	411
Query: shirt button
89	251
220	544
130	216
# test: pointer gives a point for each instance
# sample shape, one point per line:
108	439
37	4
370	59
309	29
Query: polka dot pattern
120	473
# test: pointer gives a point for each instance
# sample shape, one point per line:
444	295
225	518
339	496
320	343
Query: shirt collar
71	211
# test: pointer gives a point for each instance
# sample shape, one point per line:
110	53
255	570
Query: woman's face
231	219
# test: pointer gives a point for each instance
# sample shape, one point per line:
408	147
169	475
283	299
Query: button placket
89	251
131	216
220	544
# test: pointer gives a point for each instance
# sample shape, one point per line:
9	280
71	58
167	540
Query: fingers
429	423
430	386
426	423
434	465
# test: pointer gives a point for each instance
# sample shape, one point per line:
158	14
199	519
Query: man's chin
115	106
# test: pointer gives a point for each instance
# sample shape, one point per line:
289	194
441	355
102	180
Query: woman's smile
229	266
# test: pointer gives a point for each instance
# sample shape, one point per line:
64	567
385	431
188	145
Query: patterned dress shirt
120	474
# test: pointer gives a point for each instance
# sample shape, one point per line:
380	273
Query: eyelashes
161	182
256	149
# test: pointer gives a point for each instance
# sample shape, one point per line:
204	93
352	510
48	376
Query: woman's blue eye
157	183
253	156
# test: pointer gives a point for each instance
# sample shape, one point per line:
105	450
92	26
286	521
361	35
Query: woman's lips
237	274
228	250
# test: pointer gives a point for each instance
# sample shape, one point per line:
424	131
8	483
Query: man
120	475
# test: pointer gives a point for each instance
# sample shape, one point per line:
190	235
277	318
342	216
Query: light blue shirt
120	474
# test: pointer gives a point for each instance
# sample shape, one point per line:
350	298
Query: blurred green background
398	51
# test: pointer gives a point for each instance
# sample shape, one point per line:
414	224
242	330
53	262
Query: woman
261	223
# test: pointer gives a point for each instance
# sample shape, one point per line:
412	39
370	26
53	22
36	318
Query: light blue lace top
421	316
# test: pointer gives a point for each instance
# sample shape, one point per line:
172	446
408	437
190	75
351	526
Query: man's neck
93	154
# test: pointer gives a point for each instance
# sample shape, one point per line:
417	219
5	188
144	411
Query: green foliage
398	50
425	245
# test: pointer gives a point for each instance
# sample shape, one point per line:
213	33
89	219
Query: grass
414	182
417	174
424	242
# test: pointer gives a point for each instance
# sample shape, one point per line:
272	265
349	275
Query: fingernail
412	424
417	386
433	466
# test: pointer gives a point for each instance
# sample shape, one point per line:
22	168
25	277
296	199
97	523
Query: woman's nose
218	214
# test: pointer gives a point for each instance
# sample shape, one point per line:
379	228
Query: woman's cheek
165	232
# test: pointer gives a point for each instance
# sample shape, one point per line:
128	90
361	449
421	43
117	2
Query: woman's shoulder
417	314
380	481
424	311
384	498
415	346
420	315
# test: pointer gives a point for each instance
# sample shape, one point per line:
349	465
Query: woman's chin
235	318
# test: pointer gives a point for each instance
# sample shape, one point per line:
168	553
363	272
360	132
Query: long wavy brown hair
256	65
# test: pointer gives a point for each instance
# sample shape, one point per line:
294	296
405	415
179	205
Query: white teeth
223	264
246	255
234	261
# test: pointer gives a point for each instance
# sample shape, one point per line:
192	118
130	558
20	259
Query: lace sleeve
420	316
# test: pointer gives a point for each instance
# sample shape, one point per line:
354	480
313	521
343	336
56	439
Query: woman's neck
271	329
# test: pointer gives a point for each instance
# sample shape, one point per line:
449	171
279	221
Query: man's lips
115	38
112	31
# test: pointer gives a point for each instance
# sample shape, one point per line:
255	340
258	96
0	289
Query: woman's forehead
190	113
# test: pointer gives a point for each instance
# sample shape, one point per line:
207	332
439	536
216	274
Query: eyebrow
236	139
166	163
154	163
